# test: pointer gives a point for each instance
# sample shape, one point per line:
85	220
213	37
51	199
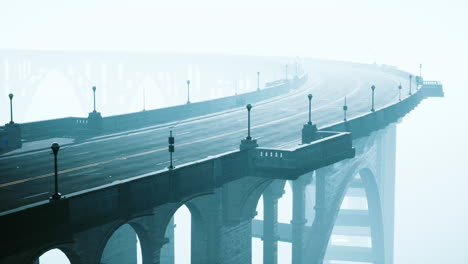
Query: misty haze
137	132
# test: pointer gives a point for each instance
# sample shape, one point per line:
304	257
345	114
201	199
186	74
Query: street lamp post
248	142
310	109
373	88
55	149
399	92
171	149
309	130
11	108
249	107
94	117
258	81
410	78
188	91
345	108
94	99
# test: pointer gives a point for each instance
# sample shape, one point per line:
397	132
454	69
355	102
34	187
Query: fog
432	169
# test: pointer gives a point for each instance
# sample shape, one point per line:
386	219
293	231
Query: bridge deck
26	177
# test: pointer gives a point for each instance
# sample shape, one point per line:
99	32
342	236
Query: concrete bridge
116	179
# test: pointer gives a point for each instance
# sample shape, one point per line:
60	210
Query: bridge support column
270	221
155	232
299	219
216	236
319	226
386	168
167	251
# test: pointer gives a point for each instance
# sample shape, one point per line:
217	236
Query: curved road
28	177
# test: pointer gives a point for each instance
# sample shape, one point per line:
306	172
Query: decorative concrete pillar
299	219
270	222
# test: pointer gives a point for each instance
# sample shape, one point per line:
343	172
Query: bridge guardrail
76	126
364	124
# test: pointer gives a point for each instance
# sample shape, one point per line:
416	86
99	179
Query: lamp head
249	106
55	147
11	96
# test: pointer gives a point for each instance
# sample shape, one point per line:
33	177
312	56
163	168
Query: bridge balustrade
77	126
328	146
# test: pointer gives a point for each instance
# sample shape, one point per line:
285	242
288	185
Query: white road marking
31	196
166	162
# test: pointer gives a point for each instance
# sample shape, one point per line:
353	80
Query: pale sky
362	30
431	171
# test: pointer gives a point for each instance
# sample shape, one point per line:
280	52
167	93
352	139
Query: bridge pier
299	218
270	223
167	251
387	161
221	231
155	232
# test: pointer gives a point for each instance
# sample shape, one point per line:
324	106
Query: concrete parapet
10	136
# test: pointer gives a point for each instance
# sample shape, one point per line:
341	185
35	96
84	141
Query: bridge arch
356	215
197	223
252	196
327	206
123	235
375	214
64	252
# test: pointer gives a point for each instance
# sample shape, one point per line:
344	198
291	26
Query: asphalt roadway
27	177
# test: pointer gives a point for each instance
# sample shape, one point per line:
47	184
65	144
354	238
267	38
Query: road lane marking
179	123
34	195
167	162
165	148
